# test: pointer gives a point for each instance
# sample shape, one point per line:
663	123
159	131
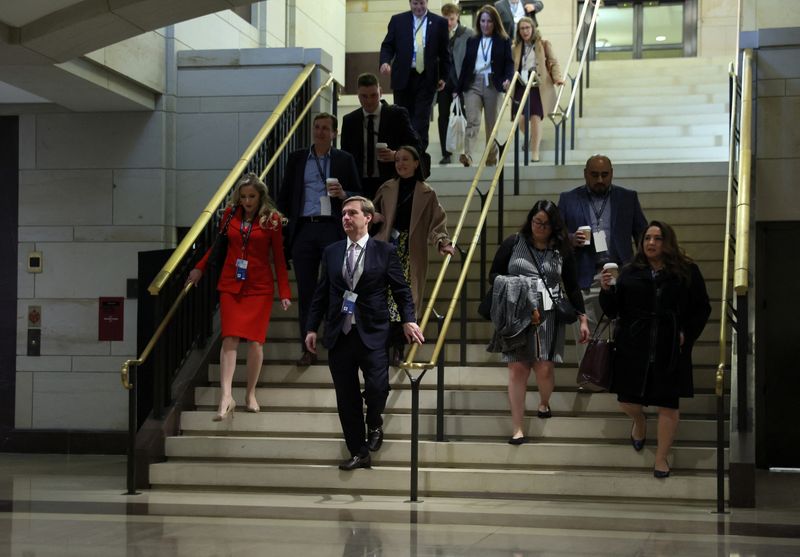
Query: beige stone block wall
320	25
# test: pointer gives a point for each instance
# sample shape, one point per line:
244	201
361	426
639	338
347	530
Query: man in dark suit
511	11
351	297
375	122
317	180
616	220
414	52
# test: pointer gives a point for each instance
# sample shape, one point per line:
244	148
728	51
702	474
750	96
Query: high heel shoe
638	444
661	474
228	410
254	408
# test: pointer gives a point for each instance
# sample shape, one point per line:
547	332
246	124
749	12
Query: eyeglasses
540	223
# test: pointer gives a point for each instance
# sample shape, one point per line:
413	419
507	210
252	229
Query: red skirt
245	317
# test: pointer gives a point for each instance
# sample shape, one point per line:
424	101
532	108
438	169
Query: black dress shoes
544	414
445	160
660	474
516	440
356	461
375	439
307	359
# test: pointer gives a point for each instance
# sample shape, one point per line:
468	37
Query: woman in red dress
246	284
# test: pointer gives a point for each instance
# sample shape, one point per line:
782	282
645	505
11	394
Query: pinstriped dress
551	334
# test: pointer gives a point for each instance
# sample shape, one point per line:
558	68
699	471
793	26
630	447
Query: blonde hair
268	214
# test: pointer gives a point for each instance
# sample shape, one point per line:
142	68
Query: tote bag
456	128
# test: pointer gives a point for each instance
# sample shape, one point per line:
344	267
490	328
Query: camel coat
546	80
428	226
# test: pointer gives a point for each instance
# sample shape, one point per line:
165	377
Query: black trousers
310	240
344	359
444	101
417	98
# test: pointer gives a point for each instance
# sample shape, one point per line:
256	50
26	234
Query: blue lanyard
486	52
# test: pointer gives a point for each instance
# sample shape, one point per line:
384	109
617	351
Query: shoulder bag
594	373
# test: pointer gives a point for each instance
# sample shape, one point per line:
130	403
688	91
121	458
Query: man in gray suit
458	48
511	11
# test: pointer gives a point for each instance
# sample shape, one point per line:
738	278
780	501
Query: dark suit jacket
292	194
395	130
502	63
504	10
627	223
397	49
381	269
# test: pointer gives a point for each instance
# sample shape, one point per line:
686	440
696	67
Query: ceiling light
661	38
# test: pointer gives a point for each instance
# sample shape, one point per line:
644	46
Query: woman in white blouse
532	53
485	74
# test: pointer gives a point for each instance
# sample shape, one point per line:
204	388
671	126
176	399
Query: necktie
420	62
350	267
370	145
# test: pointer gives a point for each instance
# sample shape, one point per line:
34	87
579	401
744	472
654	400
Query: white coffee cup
381	145
612	268
329	182
587	234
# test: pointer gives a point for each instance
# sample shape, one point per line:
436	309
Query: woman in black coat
661	306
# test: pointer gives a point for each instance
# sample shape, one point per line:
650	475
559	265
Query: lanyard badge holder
241	263
349	297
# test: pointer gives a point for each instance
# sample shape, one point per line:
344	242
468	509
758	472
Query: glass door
633	29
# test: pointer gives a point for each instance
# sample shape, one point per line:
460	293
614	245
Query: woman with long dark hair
541	252
661	307
412	219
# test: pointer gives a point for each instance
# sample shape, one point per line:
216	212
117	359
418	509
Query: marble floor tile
64	506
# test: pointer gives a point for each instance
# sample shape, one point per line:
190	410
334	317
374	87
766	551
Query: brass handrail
409	363
217	199
560	115
227	184
741	268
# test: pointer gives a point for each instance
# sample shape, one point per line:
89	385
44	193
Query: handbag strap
596	334
538	268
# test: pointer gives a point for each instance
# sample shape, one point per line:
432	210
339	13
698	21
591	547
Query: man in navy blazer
390	125
415	81
616	220
313	208
351	298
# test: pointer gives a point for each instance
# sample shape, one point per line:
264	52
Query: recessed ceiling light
661	39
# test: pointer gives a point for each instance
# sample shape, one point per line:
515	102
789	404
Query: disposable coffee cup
587	233
329	182
613	268
381	145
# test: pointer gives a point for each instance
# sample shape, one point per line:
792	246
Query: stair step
395	452
326	424
571	403
580	482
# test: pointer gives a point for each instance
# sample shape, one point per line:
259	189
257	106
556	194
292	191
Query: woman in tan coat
532	53
411	218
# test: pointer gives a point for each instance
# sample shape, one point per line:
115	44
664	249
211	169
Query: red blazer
263	239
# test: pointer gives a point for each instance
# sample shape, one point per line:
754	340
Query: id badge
325	206
349	302
599	237
241	269
547	301
395	236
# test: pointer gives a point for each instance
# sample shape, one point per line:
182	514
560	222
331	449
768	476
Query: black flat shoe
638	444
356	461
661	474
546	414
445	160
375	439
516	440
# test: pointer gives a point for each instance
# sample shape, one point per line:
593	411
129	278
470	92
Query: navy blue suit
365	345
304	241
627	225
411	90
501	60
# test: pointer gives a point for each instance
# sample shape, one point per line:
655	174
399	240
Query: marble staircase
583	451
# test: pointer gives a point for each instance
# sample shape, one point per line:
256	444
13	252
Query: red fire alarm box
111	321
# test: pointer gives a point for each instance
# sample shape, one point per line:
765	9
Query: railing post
440	386
133	427
557	141
415	381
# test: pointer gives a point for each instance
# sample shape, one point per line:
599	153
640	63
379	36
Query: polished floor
57	505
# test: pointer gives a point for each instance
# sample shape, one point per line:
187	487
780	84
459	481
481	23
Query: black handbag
565	311
219	249
594	373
